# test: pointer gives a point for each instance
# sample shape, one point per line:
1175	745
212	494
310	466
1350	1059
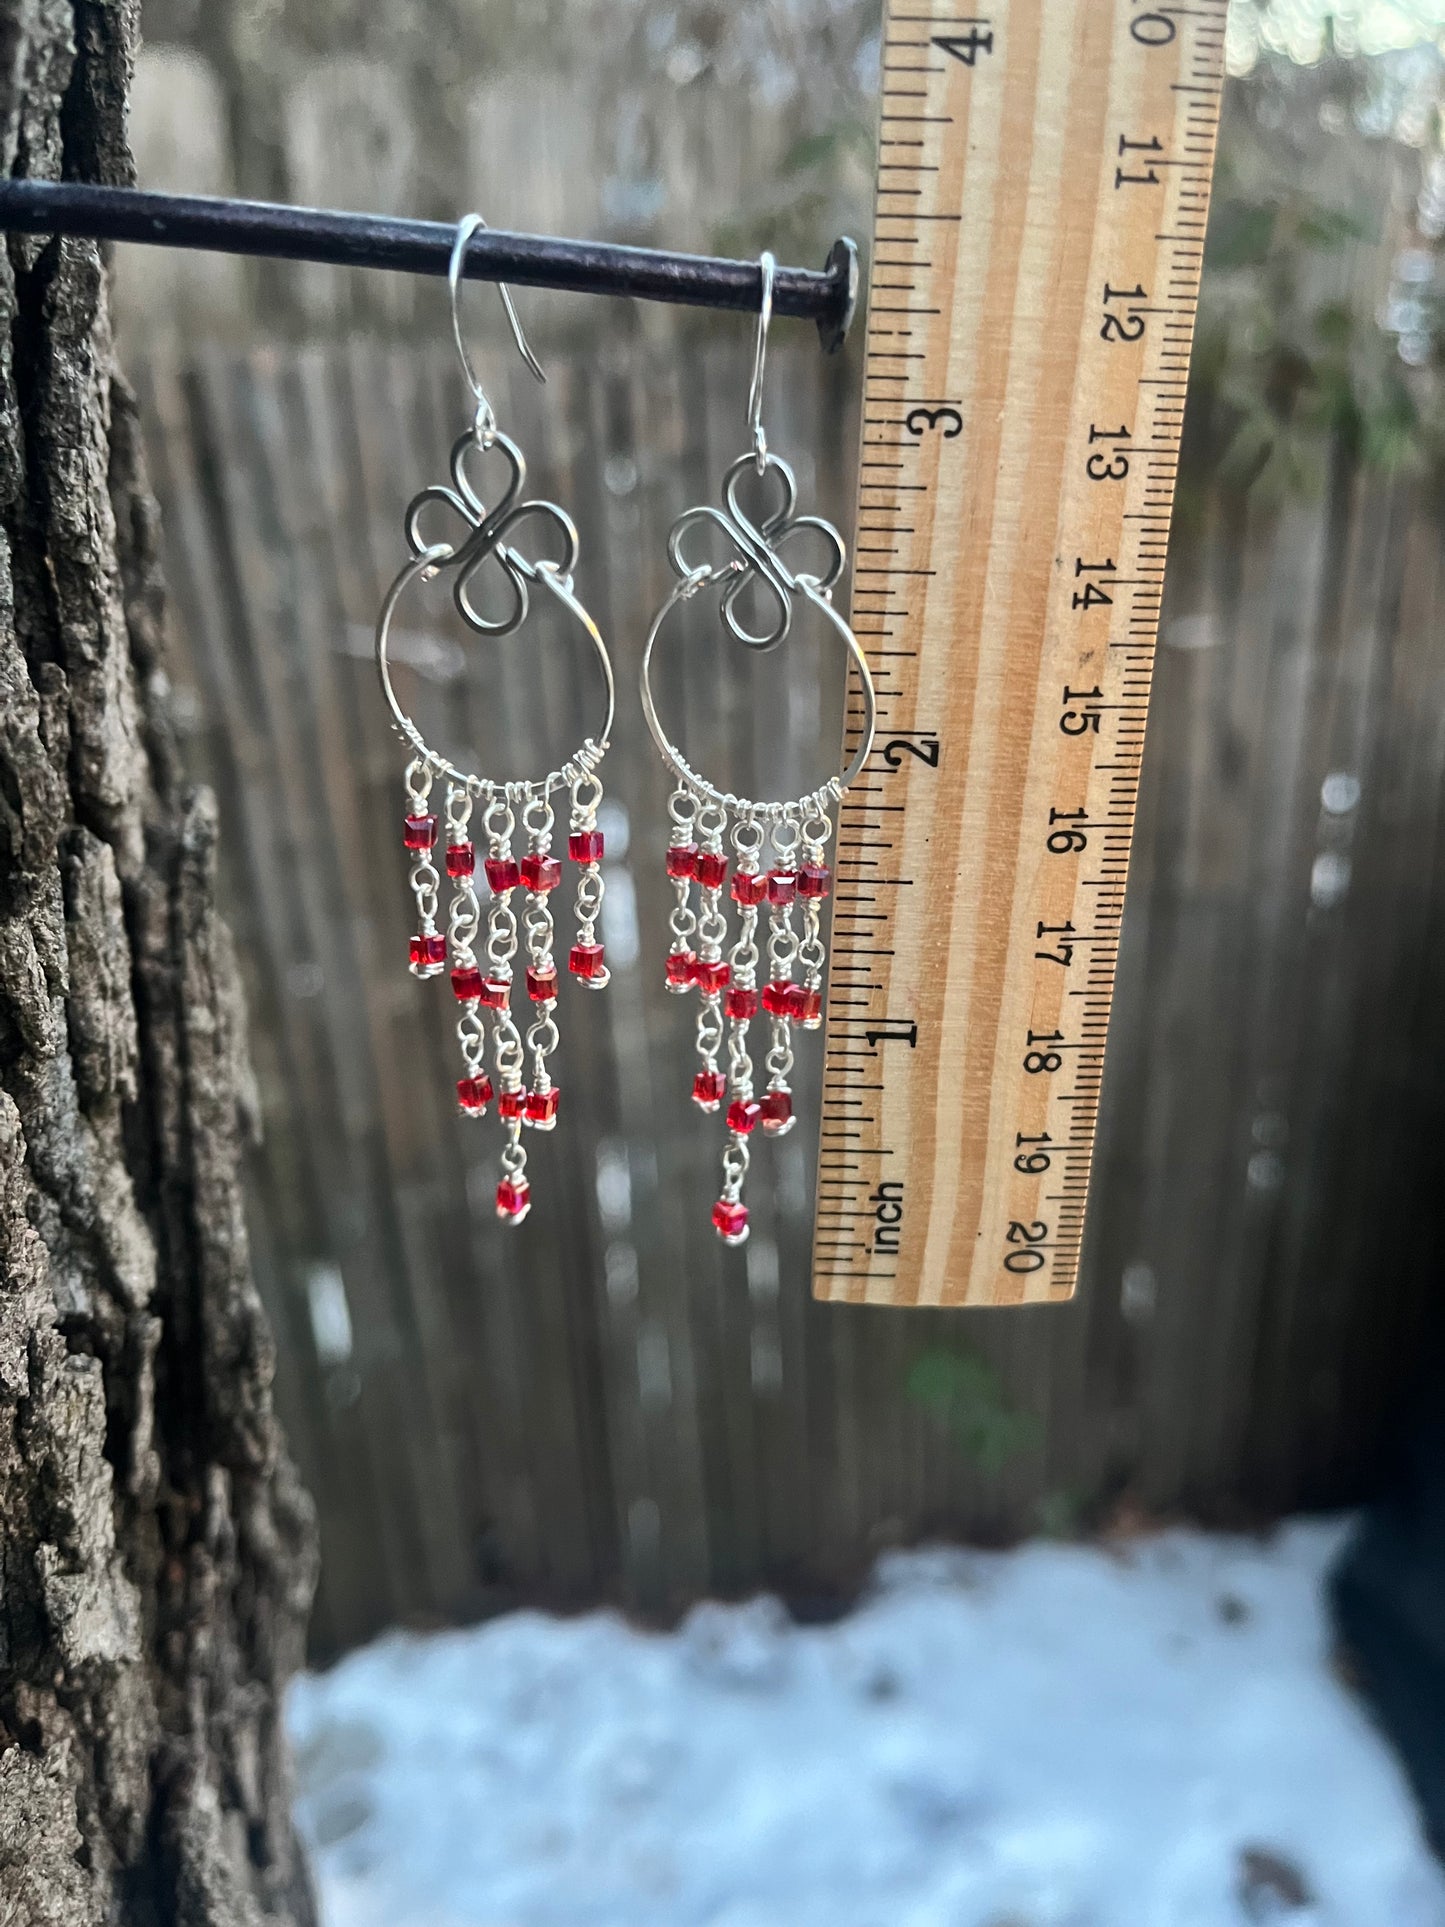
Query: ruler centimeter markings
1043	186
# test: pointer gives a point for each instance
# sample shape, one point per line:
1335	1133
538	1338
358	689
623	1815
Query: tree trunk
156	1550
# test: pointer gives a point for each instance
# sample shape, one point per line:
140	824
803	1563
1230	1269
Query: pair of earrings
769	857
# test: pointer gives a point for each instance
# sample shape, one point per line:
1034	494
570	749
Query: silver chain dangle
476	530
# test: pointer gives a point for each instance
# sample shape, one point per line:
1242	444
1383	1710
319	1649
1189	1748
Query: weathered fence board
609	1404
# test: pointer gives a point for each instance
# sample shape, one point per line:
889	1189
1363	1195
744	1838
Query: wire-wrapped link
682	921
424	879
586	795
541	1113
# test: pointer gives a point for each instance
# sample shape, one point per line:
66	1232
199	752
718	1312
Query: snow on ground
1054	1737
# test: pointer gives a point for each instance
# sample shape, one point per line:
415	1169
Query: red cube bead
777	1117
741	1003
474	1094
709	1088
682	859
542	1109
782	999
461	858
427	953
711	975
813	880
712	869
782	886
511	1104
743	1114
585	960
810	1009
679	969
502	873
419	832
514	1200
730	1220
496	991
585	846
749	886
467	983
541	985
540	872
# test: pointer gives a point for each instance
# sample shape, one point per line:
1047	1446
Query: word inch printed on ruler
1044	171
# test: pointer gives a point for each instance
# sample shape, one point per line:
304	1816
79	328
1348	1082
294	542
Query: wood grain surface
1044	176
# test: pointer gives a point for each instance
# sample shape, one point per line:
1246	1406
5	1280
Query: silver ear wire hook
768	267
486	419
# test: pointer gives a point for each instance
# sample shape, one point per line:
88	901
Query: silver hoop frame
580	765
802	806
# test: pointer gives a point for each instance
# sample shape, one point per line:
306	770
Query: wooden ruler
1044	172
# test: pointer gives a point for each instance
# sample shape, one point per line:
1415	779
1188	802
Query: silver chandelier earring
475	528
778	849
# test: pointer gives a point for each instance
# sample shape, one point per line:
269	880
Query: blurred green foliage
961	1393
1294	376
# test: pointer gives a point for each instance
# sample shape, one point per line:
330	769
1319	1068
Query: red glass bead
467	983
777	1118
585	960
679	969
585	846
709	1088
711	975
511	1104
495	992
782	886
730	1221
743	1114
461	859
419	832
542	1109
749	886
814	880
540	872
712	869
682	859
474	1094
514	1200
810	1009
502	873
427	953
541	985
741	1003
782	999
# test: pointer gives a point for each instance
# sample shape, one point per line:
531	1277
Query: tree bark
156	1550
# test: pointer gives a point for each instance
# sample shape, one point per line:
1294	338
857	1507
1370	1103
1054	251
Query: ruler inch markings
1017	475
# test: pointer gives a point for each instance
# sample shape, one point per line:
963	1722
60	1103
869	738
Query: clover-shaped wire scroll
485	531
757	558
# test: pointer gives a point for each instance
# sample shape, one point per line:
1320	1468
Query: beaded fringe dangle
520	1081
766	874
775	852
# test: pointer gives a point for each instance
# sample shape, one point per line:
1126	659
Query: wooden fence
609	1404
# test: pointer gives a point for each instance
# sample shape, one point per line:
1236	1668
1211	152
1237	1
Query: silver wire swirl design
485	529
758	557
